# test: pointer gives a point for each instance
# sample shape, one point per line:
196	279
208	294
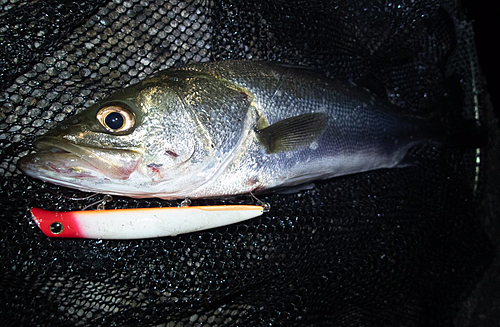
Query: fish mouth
60	158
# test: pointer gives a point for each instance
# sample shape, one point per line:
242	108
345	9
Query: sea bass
224	128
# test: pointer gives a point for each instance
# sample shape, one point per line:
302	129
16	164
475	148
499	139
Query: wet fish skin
225	128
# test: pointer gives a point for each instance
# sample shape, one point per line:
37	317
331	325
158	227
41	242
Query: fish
219	129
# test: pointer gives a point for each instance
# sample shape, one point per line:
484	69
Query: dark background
422	262
484	19
486	298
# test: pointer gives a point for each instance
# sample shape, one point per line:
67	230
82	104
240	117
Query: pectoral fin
292	133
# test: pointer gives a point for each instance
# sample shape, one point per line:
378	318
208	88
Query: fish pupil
114	120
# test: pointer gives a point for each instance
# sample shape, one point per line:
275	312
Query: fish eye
116	118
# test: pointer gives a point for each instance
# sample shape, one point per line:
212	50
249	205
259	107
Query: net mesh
397	247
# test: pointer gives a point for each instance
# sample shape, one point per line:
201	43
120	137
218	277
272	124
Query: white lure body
140	223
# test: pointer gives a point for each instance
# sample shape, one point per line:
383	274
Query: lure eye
56	228
116	119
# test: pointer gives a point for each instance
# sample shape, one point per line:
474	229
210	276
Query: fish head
142	141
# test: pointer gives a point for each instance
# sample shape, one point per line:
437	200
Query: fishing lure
141	223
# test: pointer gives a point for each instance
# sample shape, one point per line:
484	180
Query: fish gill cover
397	247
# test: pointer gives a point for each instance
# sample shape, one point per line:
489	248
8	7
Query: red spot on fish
124	172
171	153
155	168
252	181
255	182
157	172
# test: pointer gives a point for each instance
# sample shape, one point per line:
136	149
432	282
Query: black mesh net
396	247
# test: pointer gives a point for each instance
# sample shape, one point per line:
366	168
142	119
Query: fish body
224	128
